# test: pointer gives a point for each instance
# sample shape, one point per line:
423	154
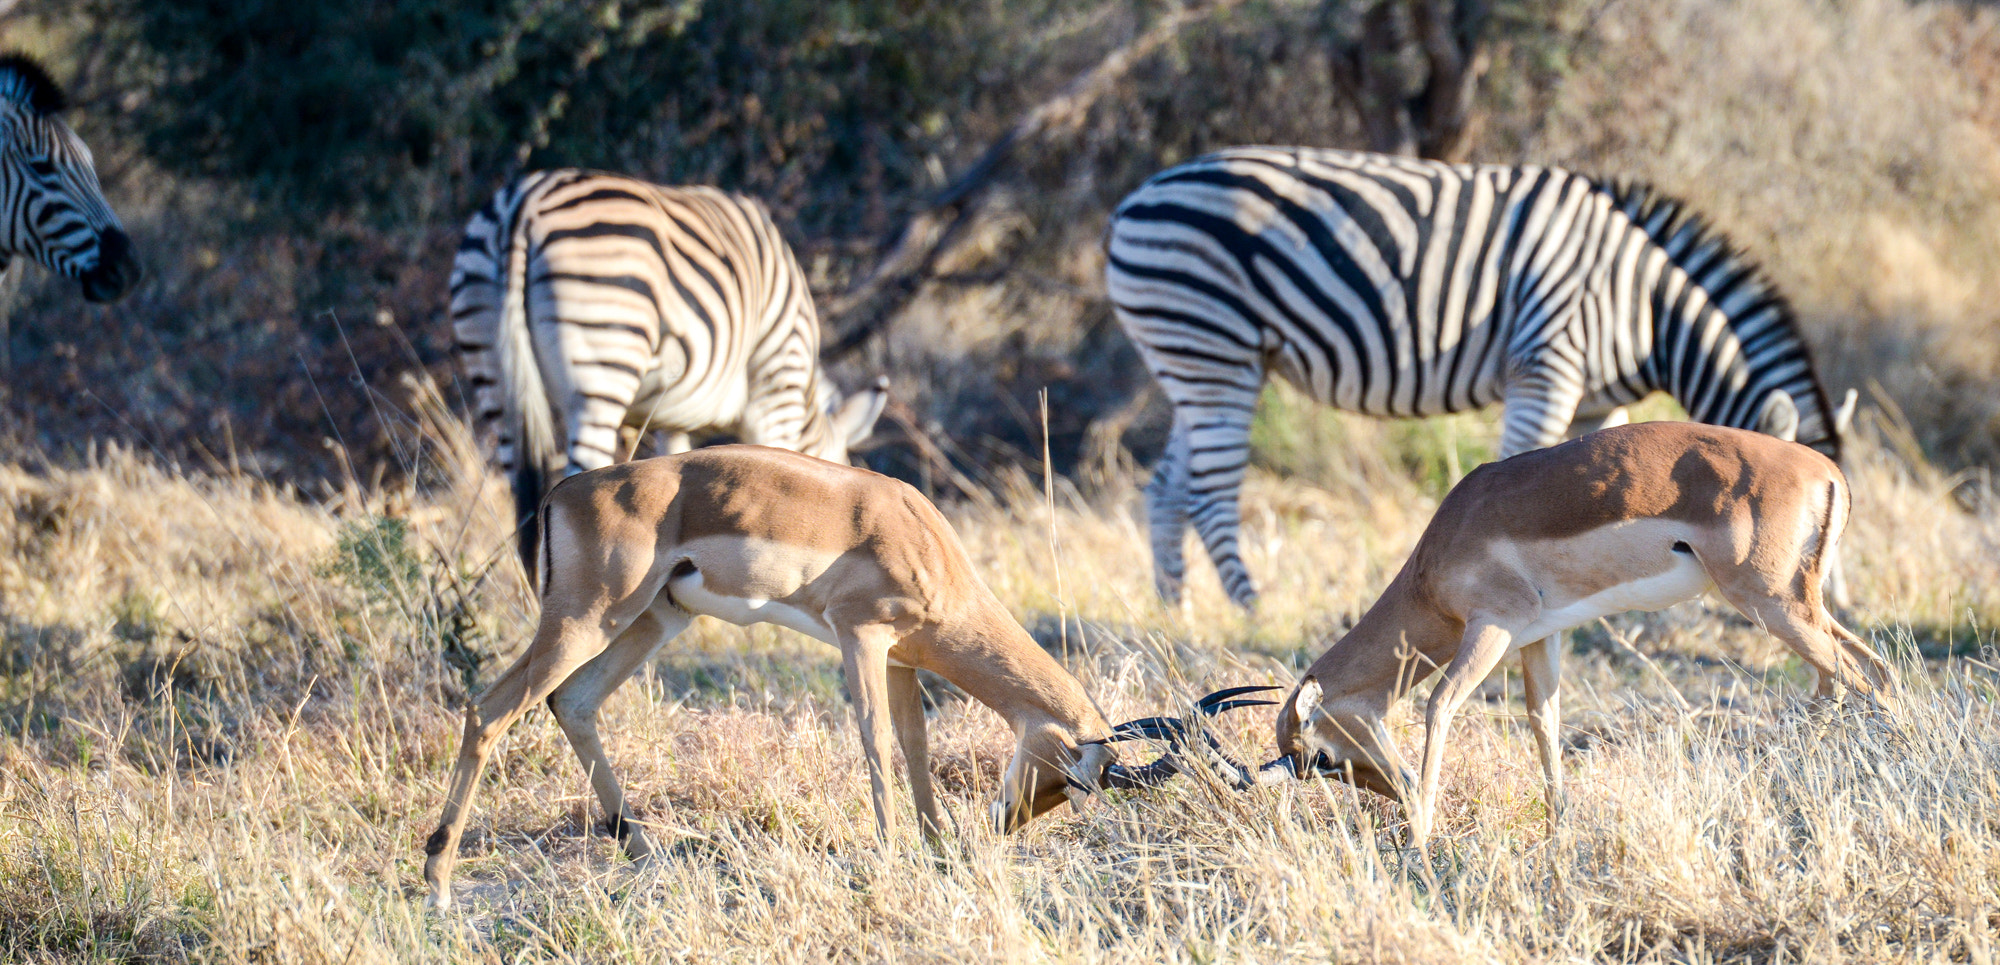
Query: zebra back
1399	287
1402	287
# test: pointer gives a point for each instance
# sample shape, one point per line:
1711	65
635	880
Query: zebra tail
529	417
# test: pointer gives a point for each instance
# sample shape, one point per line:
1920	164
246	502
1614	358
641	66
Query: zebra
1395	286
590	308
51	208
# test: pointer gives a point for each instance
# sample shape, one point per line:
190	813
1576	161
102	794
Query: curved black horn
1174	732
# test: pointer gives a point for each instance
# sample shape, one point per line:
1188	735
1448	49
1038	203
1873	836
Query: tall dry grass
228	714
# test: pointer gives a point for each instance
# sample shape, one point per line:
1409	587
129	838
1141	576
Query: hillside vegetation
296	175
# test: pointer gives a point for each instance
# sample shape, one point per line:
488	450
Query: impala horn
1175	731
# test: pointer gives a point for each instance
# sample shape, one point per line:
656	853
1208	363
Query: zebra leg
1167	516
1540	403
1218	454
595	434
1584	425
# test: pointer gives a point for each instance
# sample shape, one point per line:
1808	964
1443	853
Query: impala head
55	212
843	423
1049	767
1321	739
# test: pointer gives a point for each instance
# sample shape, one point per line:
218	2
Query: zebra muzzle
117	271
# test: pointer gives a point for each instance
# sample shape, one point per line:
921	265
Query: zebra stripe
51	208
586	304
1402	287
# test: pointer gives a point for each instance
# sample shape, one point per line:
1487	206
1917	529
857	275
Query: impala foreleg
1541	675
577	700
1479	651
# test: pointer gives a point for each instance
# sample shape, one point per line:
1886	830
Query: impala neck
992	658
1400	641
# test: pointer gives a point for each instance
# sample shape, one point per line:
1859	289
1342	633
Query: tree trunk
1411	73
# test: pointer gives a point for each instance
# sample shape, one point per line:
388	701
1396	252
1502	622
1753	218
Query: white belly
689	592
1684	581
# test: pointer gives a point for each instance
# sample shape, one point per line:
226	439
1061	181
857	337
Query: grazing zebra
51	209
1402	287
586	306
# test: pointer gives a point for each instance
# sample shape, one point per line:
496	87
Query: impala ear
1843	417
1780	417
1305	701
1086	776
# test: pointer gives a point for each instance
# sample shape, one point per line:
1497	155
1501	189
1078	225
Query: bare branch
930	232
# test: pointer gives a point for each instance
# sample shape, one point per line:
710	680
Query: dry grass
228	716
227	712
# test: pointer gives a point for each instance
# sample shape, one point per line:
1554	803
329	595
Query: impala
631	553
1639	517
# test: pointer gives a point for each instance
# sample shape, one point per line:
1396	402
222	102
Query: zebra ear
1843	417
854	418
1780	417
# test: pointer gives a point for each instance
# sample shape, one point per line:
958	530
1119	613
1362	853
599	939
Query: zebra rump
1401	287
590	309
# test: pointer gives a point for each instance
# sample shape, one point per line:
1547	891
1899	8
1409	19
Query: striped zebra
51	209
1402	287
589	309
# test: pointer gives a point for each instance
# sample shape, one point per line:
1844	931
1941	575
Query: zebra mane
1715	263
1706	254
25	81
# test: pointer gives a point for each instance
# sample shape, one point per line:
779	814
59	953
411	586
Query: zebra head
51	208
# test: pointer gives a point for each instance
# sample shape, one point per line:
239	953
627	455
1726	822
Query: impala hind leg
577	700
1835	654
906	708
1541	676
560	647
1479	651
